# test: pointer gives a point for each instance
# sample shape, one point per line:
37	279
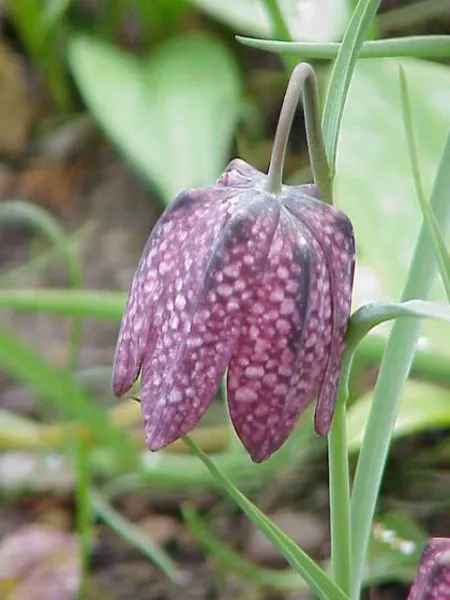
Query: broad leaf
424	407
172	114
309	20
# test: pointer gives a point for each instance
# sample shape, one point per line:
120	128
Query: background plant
138	88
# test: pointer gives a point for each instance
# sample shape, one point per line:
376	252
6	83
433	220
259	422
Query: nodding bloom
236	278
432	581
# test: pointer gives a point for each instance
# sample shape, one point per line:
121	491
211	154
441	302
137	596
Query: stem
339	484
394	371
303	80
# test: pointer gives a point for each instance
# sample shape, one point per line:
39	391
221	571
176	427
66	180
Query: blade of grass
420	46
58	387
429	219
18	212
314	576
134	536
83	303
83	520
341	74
230	560
394	371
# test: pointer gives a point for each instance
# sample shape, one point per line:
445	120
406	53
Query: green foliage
176	133
173	113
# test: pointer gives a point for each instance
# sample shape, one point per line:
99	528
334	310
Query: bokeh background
107	110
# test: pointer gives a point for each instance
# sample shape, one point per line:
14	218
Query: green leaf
319	21
58	387
420	46
342	72
424	406
172	114
133	536
442	254
232	561
373	182
314	576
17	212
394	370
370	315
84	303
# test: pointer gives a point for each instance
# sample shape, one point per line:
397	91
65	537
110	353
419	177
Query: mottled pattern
433	576
235	276
334	233
282	347
176	390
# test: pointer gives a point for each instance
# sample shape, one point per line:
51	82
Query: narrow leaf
442	254
57	387
420	46
313	575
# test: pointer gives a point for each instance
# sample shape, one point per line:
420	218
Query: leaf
418	46
313	21
318	581
342	73
442	254
172	114
424	406
57	387
232	561
133	536
84	303
370	315
373	182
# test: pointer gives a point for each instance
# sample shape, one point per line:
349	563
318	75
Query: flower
432	581
235	277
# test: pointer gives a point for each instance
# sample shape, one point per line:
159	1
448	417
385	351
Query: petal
176	392
178	249
334	233
272	374
433	576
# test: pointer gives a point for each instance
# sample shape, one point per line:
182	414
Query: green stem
394	371
339	492
303	80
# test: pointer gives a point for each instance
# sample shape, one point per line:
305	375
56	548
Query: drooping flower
432	581
234	277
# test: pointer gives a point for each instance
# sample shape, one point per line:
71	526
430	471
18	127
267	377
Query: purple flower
433	576
235	277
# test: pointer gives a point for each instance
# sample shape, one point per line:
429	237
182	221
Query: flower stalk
303	80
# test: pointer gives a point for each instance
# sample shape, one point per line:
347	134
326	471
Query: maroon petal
178	248
176	392
272	374
334	233
433	577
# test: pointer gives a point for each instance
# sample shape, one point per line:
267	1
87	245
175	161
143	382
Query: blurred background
108	108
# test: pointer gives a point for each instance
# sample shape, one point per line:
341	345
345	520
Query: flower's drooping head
236	277
432	581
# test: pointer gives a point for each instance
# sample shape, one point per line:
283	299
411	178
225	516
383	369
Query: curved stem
303	79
